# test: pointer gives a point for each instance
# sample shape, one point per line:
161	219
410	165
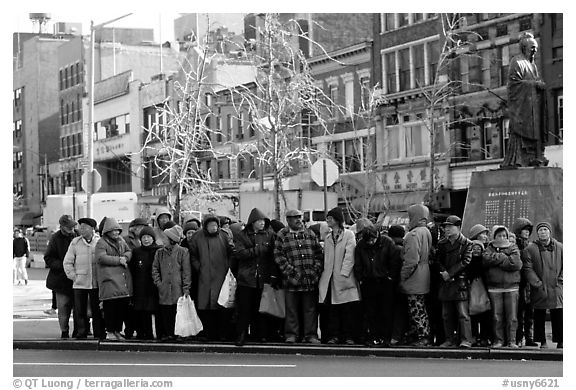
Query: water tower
41	19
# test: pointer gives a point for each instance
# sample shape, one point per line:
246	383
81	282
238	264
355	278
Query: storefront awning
397	201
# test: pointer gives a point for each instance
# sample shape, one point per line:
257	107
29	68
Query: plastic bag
479	301
273	302
187	321
227	297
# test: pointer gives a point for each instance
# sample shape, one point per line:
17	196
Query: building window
240	123
390	59
387	22
17	132
349	96
474	72
65	78
404	63
18	189
393	144
208	99
333	99
557	53
525	23
73	113
17	97
491	140
61	79
416	140
126	123
252	129
77	72
433	59
153	121
66	116
417	17
418	59
352	154
501	30
79	107
403	20
365	86
16	160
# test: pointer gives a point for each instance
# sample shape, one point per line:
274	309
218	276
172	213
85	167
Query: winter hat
138	222
147	231
498	243
337	214
416	213
521	224
276	225
174	233
88	221
110	224
189	225
67	221
498	228
544	224
476	230
369	232
396	231
210	218
478	242
101	225
224	220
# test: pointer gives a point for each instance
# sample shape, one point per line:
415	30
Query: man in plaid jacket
299	256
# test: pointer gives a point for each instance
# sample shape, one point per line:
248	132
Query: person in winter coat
172	276
479	232
544	271
453	256
163	216
190	228
400	315
502	266
132	239
338	287
57	281
254	247
210	252
114	278
299	256
20	252
523	227
145	294
482	322
415	272
80	267
377	268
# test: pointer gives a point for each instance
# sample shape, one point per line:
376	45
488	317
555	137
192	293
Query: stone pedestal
500	196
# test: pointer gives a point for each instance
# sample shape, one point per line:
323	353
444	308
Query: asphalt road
36	363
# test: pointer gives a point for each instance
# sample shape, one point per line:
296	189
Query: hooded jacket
210	255
161	238
254	253
502	263
544	270
80	264
57	280
114	280
519	225
415	271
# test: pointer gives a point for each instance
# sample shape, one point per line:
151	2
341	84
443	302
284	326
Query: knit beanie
189	225
276	225
543	224
476	230
147	230
369	232
337	214
168	225
138	222
396	231
174	233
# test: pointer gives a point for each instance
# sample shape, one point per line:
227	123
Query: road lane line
157	365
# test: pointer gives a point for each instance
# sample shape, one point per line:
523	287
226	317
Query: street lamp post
90	143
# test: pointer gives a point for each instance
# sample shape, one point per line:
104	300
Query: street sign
82	163
96	181
317	172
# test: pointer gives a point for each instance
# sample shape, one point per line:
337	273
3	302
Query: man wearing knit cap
453	257
299	256
544	271
522	228
415	272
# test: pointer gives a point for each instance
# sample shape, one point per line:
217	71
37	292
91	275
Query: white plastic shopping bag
227	297
187	321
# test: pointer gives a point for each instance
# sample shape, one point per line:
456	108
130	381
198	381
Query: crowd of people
369	286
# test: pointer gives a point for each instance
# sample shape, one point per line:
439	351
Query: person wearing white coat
338	288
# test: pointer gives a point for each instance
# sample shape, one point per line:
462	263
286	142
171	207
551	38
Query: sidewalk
33	329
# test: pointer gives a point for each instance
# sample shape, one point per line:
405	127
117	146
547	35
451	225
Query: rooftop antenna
41	19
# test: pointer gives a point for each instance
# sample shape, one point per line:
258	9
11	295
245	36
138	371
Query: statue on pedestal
526	109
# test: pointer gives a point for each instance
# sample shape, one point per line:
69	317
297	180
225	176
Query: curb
283	349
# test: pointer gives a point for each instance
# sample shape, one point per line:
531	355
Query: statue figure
526	109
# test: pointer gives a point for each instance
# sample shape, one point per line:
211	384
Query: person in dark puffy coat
145	295
482	322
254	253
210	252
544	270
112	255
377	269
172	276
502	265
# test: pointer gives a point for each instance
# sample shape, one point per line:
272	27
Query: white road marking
33	319
157	364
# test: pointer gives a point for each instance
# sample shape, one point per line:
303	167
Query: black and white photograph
280	194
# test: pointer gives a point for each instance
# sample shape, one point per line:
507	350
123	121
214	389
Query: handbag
187	321
273	302
479	301
227	296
